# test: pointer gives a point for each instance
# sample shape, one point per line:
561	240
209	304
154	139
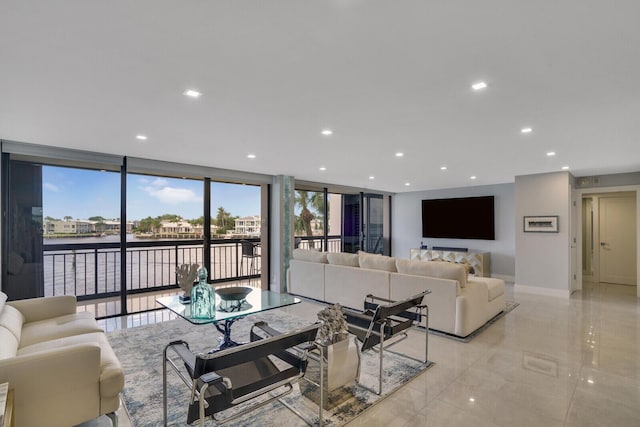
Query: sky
82	193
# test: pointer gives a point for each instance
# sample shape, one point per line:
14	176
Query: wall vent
584	181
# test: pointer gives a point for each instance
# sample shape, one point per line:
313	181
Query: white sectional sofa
458	304
58	362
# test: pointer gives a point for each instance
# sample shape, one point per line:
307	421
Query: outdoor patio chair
239	376
382	326
250	252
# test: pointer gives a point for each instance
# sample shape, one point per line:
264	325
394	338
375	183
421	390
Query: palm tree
224	220
308	202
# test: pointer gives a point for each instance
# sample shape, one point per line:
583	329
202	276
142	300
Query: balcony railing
334	243
92	270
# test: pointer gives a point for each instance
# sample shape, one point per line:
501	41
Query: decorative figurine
185	276
203	302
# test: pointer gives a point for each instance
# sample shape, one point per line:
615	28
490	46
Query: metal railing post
176	263
95	270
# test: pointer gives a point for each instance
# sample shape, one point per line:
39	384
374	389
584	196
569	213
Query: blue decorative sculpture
203	302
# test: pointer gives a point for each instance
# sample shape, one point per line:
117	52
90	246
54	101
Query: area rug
510	305
140	352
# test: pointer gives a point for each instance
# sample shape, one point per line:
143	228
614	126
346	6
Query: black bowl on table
235	293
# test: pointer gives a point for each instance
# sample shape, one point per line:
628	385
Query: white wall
407	225
542	262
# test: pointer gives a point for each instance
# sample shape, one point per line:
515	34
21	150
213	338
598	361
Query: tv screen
459	218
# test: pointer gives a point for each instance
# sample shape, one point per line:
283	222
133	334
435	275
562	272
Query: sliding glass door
363	223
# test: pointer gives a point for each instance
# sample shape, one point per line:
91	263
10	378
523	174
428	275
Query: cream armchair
58	362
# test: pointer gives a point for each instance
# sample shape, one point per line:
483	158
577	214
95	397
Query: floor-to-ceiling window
334	222
60	234
81	226
236	224
69	213
309	217
164	232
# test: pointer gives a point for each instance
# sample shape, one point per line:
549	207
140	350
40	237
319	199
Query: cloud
51	187
171	195
160	182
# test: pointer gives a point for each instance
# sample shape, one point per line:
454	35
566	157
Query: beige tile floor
550	362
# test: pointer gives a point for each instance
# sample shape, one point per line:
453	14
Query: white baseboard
537	290
505	277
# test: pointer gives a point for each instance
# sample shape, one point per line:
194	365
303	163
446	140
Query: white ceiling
386	76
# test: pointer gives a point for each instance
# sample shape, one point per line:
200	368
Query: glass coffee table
228	311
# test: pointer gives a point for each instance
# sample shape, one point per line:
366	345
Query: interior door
618	239
573	279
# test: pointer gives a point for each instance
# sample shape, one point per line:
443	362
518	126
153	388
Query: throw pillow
440	269
310	255
343	258
377	262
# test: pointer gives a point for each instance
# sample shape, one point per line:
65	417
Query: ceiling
385	76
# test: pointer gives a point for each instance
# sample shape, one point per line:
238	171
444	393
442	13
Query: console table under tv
479	261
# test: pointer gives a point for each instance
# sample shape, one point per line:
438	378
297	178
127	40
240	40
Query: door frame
578	220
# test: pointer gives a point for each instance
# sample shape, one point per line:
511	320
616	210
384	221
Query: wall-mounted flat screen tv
459	218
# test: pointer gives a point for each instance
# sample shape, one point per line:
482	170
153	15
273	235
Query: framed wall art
541	224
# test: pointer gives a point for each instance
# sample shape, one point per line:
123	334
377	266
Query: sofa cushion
349	286
9	343
343	258
306	278
310	255
3	300
111	374
12	320
443	270
494	286
58	327
378	262
14	263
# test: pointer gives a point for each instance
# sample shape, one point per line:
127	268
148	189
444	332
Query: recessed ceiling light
327	132
551	153
251	156
565	168
473	177
141	137
471	399
526	130
192	93
443	168
372	177
479	86
399	154
407	184
322	168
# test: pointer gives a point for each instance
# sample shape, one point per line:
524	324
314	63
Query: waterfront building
247	226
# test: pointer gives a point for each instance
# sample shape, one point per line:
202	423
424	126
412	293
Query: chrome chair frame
380	323
210	377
